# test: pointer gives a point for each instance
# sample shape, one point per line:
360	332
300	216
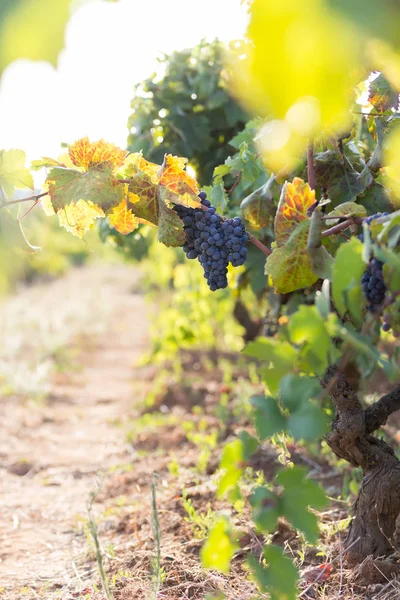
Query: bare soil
52	452
93	435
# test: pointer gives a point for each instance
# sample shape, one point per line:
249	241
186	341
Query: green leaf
266	510
309	329
219	548
376	199
308	491
259	207
296	390
280	354
279	578
306	421
45	162
268	418
170	227
249	444
290	265
298	496
218	197
301	518
233	462
347	209
381	94
33	29
309	422
67	186
346	283
13	173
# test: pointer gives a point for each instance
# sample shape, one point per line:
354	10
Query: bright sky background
109	47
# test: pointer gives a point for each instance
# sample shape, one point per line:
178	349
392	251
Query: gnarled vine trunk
378	503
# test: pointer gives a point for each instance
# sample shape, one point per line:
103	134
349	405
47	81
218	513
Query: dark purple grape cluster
373	284
213	241
372	280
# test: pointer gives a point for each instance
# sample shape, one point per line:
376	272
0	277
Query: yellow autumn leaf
78	217
85	153
122	219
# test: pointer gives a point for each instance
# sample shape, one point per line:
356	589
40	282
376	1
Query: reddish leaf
295	200
317	574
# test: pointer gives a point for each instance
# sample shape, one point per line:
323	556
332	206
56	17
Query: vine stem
338	228
19	200
267	251
310	166
236	182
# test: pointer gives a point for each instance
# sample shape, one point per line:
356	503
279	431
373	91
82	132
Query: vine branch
378	413
267	251
341	226
310	166
34	198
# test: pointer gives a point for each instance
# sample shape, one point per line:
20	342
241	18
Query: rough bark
378	503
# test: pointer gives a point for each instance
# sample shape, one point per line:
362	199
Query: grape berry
373	284
372	281
213	241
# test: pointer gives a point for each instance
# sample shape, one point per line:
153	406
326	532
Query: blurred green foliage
32	29
184	109
58	252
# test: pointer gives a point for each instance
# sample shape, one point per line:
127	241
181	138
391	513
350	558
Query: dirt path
51	453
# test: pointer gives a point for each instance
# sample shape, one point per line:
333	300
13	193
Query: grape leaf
170	227
153	208
97	185
86	154
381	94
290	265
178	182
279	578
13	173
296	198
265	508
46	162
145	189
347	209
312	332
299	494
268	418
122	219
233	463
347	271
259	207
308	422
78	217
219	547
281	356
